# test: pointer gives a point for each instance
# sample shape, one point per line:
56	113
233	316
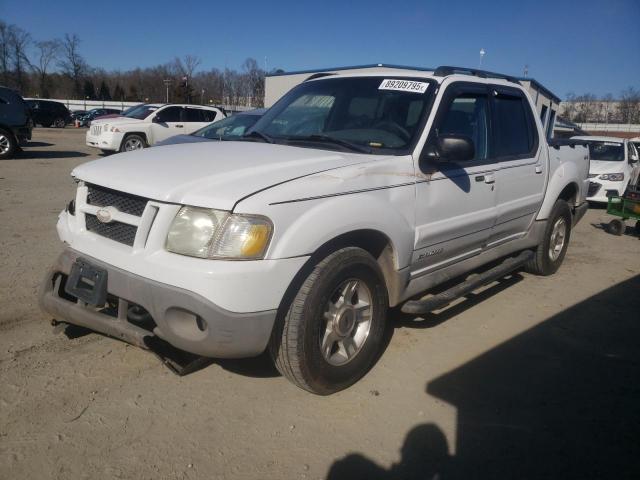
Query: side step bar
443	299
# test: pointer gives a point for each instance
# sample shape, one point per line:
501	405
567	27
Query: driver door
167	123
456	201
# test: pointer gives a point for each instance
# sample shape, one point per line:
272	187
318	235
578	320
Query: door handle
538	169
179	126
489	179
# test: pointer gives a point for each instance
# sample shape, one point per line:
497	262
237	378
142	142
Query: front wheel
333	329
549	255
132	142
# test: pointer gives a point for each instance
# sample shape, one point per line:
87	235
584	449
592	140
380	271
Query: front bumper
182	318
600	190
104	141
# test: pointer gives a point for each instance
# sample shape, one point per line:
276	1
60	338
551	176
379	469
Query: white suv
351	194
148	124
614	166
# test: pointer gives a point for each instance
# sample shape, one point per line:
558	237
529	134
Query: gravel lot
531	378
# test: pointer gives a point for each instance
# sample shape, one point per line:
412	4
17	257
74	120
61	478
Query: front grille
117	231
124	202
96	129
593	189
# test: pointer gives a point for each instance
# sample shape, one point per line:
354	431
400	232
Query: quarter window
513	136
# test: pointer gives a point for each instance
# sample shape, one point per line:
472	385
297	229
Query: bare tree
47	52
72	64
629	105
5	52
20	41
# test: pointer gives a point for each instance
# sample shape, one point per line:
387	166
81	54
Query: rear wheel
8	145
132	142
59	123
549	255
333	330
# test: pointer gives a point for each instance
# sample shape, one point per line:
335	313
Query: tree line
55	68
588	108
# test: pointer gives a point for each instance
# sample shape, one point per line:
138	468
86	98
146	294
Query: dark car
94	113
48	113
15	122
75	114
229	128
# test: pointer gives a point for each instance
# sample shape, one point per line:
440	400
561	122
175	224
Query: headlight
115	129
612	177
206	233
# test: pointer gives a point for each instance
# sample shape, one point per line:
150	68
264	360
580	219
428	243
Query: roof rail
319	75
443	71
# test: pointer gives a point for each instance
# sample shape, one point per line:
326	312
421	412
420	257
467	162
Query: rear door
195	119
521	176
456	203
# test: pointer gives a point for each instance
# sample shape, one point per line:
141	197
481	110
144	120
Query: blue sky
570	46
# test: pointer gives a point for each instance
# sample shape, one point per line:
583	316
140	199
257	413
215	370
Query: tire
107	152
347	277
548	256
59	123
616	227
133	142
637	227
8	145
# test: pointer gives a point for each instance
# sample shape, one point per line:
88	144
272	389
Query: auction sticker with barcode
403	85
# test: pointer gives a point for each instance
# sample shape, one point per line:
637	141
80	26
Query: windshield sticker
403	85
612	144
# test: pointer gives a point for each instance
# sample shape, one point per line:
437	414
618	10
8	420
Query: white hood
598	167
211	174
115	120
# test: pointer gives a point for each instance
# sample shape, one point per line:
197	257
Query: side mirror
157	119
450	148
633	159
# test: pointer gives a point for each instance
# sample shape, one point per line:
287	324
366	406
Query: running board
443	299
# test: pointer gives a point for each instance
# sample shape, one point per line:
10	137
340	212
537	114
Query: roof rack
443	71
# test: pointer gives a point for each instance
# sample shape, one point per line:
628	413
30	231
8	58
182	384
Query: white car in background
149	124
614	165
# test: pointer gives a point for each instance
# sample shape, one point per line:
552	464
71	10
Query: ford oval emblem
104	215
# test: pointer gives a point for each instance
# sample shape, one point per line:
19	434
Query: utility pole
526	71
482	52
167	83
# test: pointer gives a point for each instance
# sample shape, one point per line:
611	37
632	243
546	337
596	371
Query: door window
170	114
467	115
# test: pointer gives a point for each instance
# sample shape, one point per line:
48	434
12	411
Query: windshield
369	114
608	151
228	128
140	112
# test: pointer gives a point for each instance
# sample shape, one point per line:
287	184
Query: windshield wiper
257	134
328	139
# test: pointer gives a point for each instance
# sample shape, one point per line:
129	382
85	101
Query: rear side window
513	132
194	115
208	115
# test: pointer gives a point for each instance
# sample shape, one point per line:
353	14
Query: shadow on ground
27	154
561	400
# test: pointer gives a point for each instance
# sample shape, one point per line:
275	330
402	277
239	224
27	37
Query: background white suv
614	165
148	124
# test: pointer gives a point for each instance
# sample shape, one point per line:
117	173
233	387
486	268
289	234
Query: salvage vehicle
614	166
230	128
15	123
95	113
49	113
148	124
352	194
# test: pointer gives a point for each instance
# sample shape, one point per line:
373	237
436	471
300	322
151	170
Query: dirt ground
531	378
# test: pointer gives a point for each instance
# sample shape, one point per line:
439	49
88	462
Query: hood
115	119
210	174
597	167
175	140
